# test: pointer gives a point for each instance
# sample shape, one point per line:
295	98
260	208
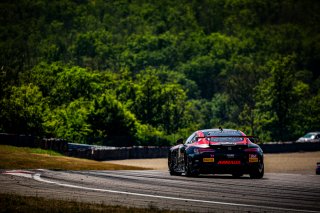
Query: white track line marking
19	173
38	178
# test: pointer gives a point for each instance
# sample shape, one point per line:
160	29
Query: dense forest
146	72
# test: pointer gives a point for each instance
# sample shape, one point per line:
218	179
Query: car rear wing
253	138
227	136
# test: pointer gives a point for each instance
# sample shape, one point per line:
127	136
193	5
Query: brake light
252	150
202	150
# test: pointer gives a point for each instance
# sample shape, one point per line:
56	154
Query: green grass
34	158
45	152
17	203
32	150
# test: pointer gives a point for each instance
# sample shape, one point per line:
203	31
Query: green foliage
150	50
279	100
23	110
75	83
63	84
161	104
147	135
111	123
70	122
153	71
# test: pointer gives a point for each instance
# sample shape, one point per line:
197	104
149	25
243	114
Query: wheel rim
261	167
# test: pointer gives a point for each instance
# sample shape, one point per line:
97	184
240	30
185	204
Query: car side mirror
179	141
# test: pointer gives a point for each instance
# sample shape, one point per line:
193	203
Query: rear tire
258	172
171	166
173	173
189	172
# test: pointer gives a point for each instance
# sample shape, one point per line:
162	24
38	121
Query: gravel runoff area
295	163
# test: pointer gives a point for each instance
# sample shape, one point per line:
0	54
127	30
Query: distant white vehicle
310	137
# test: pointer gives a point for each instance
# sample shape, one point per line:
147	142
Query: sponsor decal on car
229	162
208	160
253	158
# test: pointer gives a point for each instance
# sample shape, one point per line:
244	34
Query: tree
149	50
62	84
173	100
174	66
73	83
147	104
23	110
241	88
206	72
275	99
69	122
222	110
111	123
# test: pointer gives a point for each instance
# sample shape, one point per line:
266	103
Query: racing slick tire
189	172
171	170
174	173
257	172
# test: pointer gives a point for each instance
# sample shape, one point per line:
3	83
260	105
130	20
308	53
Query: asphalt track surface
152	188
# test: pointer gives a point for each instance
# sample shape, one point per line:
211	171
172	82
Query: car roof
313	133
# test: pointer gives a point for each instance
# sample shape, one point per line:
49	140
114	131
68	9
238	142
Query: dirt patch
297	163
154	163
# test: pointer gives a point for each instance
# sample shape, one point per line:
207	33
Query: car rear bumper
226	169
228	166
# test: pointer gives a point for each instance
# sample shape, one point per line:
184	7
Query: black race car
217	151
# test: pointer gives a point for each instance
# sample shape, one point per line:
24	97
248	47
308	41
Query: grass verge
30	158
17	203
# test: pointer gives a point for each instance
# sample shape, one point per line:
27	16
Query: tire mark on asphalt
231	188
38	178
223	189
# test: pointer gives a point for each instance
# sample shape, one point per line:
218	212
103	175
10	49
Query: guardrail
283	147
116	153
55	144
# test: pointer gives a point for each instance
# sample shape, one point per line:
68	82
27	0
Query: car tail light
252	150
202	150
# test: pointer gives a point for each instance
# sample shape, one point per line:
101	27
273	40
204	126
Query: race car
217	151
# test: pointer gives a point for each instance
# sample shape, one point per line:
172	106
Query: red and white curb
20	173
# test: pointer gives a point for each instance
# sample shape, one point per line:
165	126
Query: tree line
146	72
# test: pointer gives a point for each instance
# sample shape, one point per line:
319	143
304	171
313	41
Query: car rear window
223	136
